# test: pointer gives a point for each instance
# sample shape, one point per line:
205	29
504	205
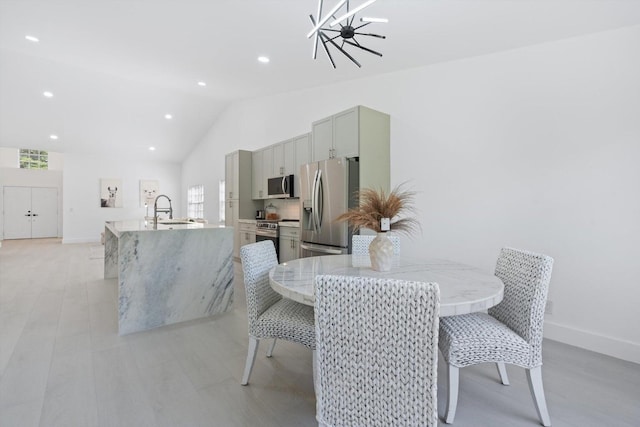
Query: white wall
84	218
534	148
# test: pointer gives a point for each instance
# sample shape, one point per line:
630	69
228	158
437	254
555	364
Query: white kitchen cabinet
357	132
239	203
247	232
283	158
232	166
322	132
258	183
289	244
337	135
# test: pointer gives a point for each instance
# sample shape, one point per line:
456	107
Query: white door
44	212
17	212
30	212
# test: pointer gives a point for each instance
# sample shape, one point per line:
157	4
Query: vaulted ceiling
116	68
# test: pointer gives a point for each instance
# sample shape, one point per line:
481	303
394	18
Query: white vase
381	252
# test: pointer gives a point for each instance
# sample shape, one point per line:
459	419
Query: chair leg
316	385
453	377
502	370
271	347
251	357
534	378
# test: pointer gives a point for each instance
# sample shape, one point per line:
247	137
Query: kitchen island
169	273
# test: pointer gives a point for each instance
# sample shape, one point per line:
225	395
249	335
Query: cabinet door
346	133
302	152
322	132
290	167
302	157
267	168
285	250
247	237
257	184
228	176
278	160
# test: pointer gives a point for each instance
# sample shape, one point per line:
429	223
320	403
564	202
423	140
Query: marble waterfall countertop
171	274
117	227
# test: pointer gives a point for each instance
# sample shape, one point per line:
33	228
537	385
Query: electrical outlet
549	307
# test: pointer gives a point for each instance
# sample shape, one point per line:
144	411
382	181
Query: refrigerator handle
313	202
318	200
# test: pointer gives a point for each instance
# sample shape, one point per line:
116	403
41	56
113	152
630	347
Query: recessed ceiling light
32	38
168	116
54	137
202	84
263	59
152	148
47	94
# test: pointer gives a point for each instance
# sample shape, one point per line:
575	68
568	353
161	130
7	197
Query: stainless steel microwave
280	187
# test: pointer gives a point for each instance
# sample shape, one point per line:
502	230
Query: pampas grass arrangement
376	204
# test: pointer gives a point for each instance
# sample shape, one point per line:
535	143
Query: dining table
463	288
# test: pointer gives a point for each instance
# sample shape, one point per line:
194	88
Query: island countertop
116	227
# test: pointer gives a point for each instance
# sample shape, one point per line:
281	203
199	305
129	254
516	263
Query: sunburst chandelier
338	30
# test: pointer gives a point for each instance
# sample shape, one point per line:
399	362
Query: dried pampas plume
376	204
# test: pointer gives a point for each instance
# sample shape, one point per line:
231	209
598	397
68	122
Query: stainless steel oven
268	230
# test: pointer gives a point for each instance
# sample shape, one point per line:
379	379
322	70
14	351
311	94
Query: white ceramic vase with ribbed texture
381	252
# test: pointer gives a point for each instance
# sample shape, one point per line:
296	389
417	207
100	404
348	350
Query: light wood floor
62	363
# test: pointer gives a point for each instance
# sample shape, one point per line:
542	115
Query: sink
173	221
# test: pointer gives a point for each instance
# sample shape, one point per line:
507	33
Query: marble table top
463	288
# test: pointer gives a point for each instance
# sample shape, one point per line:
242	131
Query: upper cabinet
232	183
357	132
258	184
283	158
238	184
337	135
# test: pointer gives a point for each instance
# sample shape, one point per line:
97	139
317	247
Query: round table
463	288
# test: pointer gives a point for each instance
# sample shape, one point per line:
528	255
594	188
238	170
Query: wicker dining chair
270	315
510	333
376	352
360	244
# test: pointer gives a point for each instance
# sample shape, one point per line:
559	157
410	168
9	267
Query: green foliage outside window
34	159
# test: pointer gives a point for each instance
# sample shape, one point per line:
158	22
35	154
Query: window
195	201
34	159
222	201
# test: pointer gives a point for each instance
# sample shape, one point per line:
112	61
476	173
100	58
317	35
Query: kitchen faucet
156	209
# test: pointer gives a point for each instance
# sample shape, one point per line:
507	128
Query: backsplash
287	208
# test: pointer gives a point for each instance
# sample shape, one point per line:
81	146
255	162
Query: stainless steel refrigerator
327	189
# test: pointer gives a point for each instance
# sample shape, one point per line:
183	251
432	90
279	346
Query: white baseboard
81	240
621	349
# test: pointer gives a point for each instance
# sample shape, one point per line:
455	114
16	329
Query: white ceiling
117	67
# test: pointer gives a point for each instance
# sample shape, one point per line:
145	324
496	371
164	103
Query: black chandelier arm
371	35
326	49
345	53
363	25
358	45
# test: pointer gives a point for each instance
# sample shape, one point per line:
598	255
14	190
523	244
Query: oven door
275	240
